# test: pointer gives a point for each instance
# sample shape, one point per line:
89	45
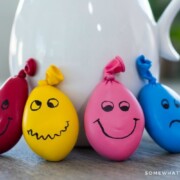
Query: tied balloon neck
143	67
53	77
114	67
29	69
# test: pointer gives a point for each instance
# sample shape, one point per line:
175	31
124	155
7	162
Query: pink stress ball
114	120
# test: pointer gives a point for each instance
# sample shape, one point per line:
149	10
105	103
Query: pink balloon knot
115	66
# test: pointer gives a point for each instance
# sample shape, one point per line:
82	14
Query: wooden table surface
148	162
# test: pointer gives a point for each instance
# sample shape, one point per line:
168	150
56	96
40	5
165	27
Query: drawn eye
165	104
36	105
5	104
124	106
107	106
177	103
53	103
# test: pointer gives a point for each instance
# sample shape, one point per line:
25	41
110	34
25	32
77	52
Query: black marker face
5	104
175	121
124	106
108	106
35	105
48	136
51	103
165	103
177	103
109	136
2	132
5	121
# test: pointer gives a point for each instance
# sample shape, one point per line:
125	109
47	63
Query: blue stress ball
161	106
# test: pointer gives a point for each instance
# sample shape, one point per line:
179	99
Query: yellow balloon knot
42	83
53	77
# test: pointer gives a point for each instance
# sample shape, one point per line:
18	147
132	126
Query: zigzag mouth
38	137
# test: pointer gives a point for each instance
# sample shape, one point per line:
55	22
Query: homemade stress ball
161	106
50	122
13	96
114	120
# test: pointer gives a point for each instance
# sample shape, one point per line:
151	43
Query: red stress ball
13	96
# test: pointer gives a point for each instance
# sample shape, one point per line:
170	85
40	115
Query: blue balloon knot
143	65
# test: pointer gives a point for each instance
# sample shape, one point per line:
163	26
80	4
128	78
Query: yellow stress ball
50	122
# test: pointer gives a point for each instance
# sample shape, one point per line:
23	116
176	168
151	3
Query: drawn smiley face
13	95
5	120
114	121
161	106
50	123
108	106
51	103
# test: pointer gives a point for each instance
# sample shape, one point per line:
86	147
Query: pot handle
166	48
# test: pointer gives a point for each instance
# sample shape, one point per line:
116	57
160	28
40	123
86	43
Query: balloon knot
29	69
143	66
115	66
53	76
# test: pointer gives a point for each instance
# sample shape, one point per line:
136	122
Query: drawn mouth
38	137
174	121
6	127
106	134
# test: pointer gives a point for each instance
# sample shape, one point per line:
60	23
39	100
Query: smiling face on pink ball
114	121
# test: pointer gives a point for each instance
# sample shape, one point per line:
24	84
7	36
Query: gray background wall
7	11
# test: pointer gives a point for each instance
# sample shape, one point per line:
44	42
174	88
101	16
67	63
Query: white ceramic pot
81	36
